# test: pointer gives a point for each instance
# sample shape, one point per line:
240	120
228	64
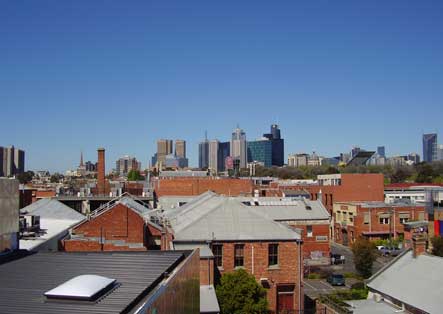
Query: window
351	219
403	220
309	231
217	250
421	216
384	221
366	218
273	254
238	255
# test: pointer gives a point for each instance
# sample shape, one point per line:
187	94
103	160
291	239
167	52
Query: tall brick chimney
418	245
101	171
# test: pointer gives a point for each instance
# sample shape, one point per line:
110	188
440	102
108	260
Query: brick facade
197	186
285	275
370	221
119	228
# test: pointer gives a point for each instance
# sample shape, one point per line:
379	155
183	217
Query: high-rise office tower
429	147
164	148
238	147
203	154
381	151
278	145
213	155
440	152
260	151
180	148
223	153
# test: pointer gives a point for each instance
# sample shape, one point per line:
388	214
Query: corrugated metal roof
211	216
413	281
53	209
133	204
24	281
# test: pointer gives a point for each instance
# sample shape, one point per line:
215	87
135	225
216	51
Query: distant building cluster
12	161
431	150
220	156
166	157
125	164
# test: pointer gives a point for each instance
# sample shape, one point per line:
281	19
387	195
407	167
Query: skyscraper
213	155
125	164
238	147
180	148
260	151
429	147
278	145
203	154
381	151
223	152
164	147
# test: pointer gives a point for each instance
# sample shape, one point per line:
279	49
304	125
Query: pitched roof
290	209
52	209
24	281
413	281
211	216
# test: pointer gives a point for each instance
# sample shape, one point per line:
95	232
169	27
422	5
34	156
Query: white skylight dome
84	287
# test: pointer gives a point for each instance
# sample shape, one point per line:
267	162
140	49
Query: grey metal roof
52	209
168	202
413	281
24	281
211	216
377	204
370	306
291	209
133	204
208	300
205	251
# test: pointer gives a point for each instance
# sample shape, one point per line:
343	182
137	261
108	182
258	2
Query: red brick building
196	186
342	187
239	237
374	220
120	226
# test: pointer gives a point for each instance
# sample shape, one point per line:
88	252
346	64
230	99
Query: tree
437	246
25	177
239	293
364	256
55	178
134	175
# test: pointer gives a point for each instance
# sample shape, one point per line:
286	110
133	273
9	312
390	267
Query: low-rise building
374	220
120	225
44	223
234	235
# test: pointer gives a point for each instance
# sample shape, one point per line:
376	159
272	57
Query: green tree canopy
25	177
239	293
364	256
134	175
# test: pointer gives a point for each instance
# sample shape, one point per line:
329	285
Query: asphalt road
314	287
349	264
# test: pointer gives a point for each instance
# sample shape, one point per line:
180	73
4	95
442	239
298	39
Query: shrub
364	256
314	276
358	285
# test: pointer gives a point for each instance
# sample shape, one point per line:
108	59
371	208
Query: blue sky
78	75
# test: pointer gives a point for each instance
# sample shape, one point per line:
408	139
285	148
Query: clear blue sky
78	75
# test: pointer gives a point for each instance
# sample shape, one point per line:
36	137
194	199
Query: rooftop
25	281
211	216
413	281
53	209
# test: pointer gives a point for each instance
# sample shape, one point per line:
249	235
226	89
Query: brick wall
287	271
206	271
359	227
197	186
118	223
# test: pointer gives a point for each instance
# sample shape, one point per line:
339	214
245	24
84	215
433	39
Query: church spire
81	159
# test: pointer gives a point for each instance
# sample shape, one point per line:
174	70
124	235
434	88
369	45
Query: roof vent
84	287
308	207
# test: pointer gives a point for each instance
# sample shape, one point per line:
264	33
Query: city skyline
332	75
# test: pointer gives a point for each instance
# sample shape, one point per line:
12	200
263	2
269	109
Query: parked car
336	280
385	250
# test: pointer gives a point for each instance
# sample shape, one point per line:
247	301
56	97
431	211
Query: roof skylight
84	287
